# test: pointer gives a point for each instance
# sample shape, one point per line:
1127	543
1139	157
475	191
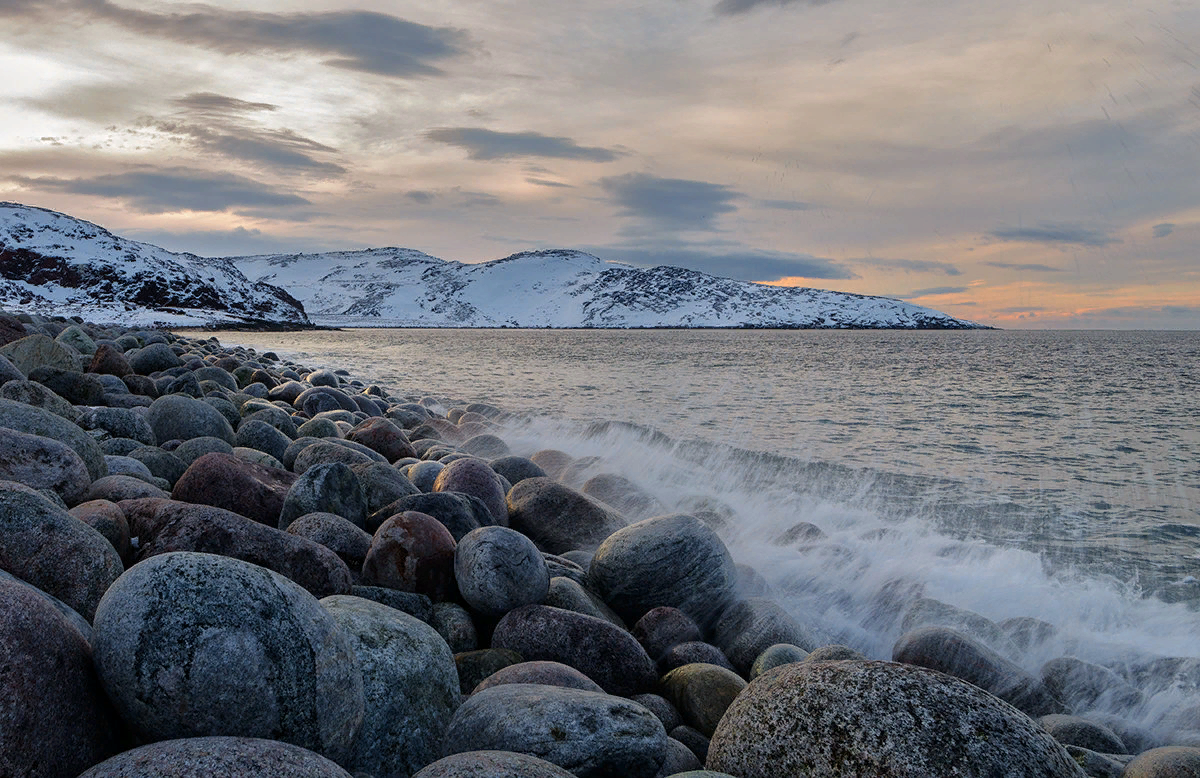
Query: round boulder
412	552
874	719
1165	762
183	640
544	673
499	569
329	488
492	764
43	463
474	476
557	518
235	484
228	757
701	693
176	417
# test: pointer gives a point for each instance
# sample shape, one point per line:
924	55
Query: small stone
163	464
109	361
118	422
485	446
516	469
383	484
383	436
567	594
116	488
328	452
833	653
663	627
680	759
456	627
459	513
415	605
692	652
748	627
261	436
33	393
108	519
1165	762
1077	731
498	569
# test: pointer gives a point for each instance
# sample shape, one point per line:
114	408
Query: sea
1044	474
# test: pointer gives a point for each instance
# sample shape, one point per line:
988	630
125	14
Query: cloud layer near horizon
992	161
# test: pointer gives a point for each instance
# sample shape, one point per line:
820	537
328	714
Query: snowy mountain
392	287
51	264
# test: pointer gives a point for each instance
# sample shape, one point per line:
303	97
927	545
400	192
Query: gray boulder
1165	762
326	488
544	673
875	719
153	358
748	627
499	569
9	372
567	594
588	733
183	641
475	477
44	545
42	463
34	351
701	693
118	422
409	683
557	518
36	421
492	764
227	757
340	536
39	396
258	435
175	417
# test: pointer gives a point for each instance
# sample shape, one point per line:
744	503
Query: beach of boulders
218	562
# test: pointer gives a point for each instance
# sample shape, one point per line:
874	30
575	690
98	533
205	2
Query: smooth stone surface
557	518
410	686
607	654
663	627
170	525
36	421
458	512
624	495
516	469
776	655
54	717
485	445
953	653
476	666
567	594
73	386
876	719
1076	731
832	653
209	757
34	351
258	435
928	612
340	536
108	519
1083	686
588	733
163	464
544	673
382	484
1165	762
492	764
44	545
230	482
667	560
416	605
748	627
188	451
701	693
328	488
33	393
384	437
116	488
475	477
152	358
679	759
9	371
498	569
109	361
118	422
183	640
42	463
412	552
176	417
692	652
326	452
456	627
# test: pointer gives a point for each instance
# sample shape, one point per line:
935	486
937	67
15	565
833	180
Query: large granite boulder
42	463
224	756
492	764
176	417
558	518
34	351
230	482
36	421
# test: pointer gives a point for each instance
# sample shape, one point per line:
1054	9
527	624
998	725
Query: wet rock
476	665
834	653
624	495
927	612
776	655
663	627
410	686
340	536
956	654
183	640
384	437
42	463
416	605
701	693
118	422
492	764
116	488
230	482
412	552
261	436
474	477
44	545
423	474
1098	765
498	569
607	654
668	560
328	488
567	594
748	627
1165	762
1077	731
588	733
485	446
176	417
317	428
516	469
456	627
830	719
459	513
1027	632
692	652
108	360
36	421
163	464
382	484
34	351
557	518
54	717
553	461
153	358
179	526
228	757
1083	686
561	566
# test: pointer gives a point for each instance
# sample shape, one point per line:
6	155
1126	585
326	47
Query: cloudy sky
1024	164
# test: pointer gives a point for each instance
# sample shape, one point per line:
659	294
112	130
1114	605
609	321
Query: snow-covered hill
394	287
51	263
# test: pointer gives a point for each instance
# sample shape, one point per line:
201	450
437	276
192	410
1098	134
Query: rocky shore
217	562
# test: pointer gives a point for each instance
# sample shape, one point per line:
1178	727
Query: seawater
1046	474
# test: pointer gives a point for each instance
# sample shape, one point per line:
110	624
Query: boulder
1165	762
780	654
382	436
340	536
692	652
382	484
328	488
183	641
9	372
476	666
1077	731
748	627
701	693
163	464
557	518
108	519
456	627
33	393
498	569
118	422
42	463
415	605
228	757
474	477
73	386
412	552
152	359
175	417
544	673
54	717
663	627
876	719
230	482
116	488
108	360
34	351
258	435
459	513
325	452
492	764
591	734
516	469
602	651
409	683
567	594
36	421
44	545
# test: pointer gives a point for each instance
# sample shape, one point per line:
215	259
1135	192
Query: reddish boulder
235	484
384	437
412	552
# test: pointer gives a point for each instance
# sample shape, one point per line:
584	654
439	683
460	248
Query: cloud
280	149
545	182
785	205
227	243
1032	267
419	196
355	40
932	292
1055	233
732	7
213	103
1020	309
1163	230
743	264
674	203
484	144
164	190
909	265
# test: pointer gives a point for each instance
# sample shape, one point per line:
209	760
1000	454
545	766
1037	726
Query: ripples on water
1045	474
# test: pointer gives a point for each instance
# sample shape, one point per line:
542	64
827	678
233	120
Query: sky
1021	164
